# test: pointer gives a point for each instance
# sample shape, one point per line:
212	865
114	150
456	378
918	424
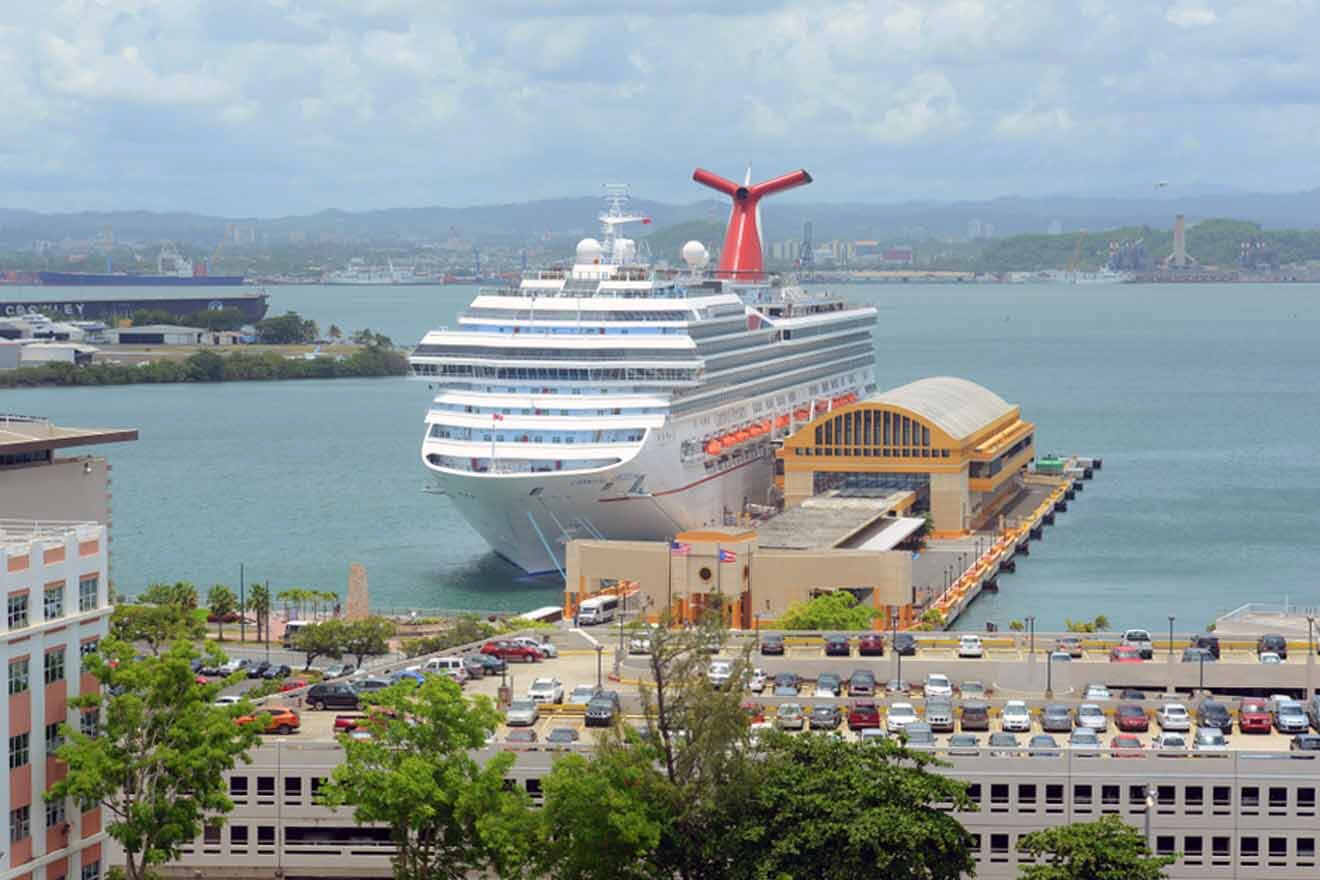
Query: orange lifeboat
728	440
742	435
766	425
802	414
713	447
782	421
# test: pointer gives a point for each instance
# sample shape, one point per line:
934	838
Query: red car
871	645
1254	716
863	714
1125	745
509	650
201	680
292	684
755	712
1125	654
1131	718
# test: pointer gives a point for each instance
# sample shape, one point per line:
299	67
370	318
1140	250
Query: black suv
772	644
1213	714
905	644
975	716
1208	642
332	696
861	684
1272	643
837	646
602	709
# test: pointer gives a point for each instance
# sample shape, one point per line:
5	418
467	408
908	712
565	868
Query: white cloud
1187	16
926	106
1034	123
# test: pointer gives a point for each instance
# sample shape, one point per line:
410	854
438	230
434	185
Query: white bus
291	629
598	610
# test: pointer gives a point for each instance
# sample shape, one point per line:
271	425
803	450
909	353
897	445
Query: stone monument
358	606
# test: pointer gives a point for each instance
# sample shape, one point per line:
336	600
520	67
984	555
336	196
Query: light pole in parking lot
1031	636
1150	808
1202	658
600	679
1171	637
893	640
1049	676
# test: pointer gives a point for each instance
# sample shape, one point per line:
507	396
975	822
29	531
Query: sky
260	108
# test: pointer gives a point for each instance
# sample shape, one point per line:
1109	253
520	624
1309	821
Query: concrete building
10	354
156	334
34	354
960	447
38	482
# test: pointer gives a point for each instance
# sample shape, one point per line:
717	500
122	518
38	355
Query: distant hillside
666	242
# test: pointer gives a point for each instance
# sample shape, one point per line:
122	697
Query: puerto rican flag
497	417
728	556
678	548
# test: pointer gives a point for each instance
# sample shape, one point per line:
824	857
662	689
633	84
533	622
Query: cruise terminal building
859	484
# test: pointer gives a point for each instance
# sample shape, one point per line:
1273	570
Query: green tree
204	366
289	328
180	593
369	637
837	610
325	639
258	602
1107	849
831	809
334	332
156	625
221	602
157	755
449	815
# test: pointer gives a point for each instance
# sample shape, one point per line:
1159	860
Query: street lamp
1150	808
1049	676
893	640
1170	636
600	678
1031	635
1310	632
1202	657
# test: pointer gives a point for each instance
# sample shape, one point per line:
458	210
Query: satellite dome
588	251
695	255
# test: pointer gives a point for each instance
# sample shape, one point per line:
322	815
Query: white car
1096	692
900	716
1060	657
229	667
1016	718
1269	658
1092	717
1169	742
756	681
938	686
546	649
582	694
546	690
1174	716
719	673
522	713
970	646
227	700
1210	739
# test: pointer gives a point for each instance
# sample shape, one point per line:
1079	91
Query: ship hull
87	279
251	305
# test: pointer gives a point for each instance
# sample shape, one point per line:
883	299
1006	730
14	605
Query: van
598	610
1208	642
975	716
450	666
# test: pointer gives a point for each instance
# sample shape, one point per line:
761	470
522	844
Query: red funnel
741	257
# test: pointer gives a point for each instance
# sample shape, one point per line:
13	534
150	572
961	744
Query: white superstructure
613	399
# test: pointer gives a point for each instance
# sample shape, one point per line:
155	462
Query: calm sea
1203	400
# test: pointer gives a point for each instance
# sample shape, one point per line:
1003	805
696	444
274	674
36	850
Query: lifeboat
766	425
713	447
728	440
782	421
742	435
802	414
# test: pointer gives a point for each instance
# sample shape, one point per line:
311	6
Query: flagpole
492	442
669	580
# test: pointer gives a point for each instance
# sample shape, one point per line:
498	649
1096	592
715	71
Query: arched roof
956	406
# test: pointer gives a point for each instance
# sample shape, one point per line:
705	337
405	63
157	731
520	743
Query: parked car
789	716
1210	739
1174	716
1139	639
210	666
640	642
256	669
582	694
965	745
827	685
1272	643
1289	717
973	690
280	720
1056	718
544	647
227	700
510	650
1305	742
786	684
871	645
1070	645
1060	657
872	735
825	717
898	686
1131	718
413	675
1124	654
838	646
1092	717
563	736
720	672
970	646
1003	745
1096	692
919	736
369	684
276	671
234	664
1254	716
523	736
756	681
905	644
522	713
861	684
1042	745
772	643
1198	655
292	684
899	716
339	670
332	695
1085	741
1313	711
938	685
201	680
939	714
1131	694
450	666
494	664
1169	742
1211	713
1208	642
546	690
1125	745
755	712
475	668
1269	659
1016	717
602	709
863	714
974	716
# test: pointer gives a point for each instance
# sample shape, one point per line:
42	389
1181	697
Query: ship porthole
704	574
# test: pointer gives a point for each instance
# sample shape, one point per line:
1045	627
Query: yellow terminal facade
961	448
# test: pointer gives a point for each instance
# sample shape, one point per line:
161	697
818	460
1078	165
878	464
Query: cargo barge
251	305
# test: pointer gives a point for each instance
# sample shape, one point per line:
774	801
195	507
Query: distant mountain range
567	218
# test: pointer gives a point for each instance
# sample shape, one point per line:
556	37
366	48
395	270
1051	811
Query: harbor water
1203	401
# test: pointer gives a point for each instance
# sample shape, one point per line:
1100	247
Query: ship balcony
516	423
517	449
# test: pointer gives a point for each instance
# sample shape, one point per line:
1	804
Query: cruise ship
617	399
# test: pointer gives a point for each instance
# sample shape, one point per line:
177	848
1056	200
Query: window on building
1250	798
238	835
20	824
1027	796
87	590
92	871
1305	850
1305	801
998	794
1278	850
1165	797
998	847
54	739
265	835
1165	845
265	789
974	792
1082	795
54	813
1053	798
90	722
315	787
1137	797
1111	796
1249	848
18	611
88	647
1194	798
238	786
1221	849
20	750
1278	800
1222	798
211	835
55	666
54	602
292	788
18	675
1192	849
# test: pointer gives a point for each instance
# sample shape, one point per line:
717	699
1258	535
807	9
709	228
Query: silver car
522	713
1085	742
1211	739
1092	717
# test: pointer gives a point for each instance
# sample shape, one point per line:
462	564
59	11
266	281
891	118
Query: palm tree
331	598
259	604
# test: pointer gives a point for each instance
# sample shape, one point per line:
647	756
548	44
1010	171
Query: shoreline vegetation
371	361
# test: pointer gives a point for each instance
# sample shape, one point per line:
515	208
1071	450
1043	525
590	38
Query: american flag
497	417
728	556
678	548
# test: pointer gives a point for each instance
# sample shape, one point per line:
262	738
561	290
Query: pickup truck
1139	639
